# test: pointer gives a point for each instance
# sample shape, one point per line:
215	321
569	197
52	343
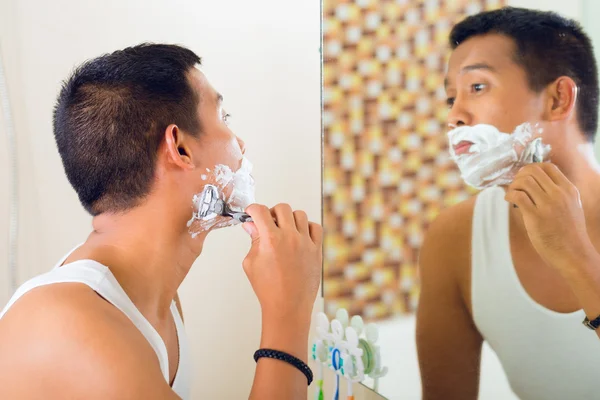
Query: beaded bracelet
288	358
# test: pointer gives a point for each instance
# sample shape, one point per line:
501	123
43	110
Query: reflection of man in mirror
521	278
138	131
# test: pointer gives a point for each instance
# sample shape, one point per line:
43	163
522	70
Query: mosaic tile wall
387	173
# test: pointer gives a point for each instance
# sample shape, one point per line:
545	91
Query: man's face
217	144
484	85
218	153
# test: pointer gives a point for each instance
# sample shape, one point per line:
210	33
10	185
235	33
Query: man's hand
284	268
555	222
552	213
284	263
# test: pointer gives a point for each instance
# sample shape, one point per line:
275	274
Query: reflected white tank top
546	355
102	281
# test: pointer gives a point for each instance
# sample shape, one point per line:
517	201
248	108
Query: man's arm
448	343
71	344
276	379
284	269
583	275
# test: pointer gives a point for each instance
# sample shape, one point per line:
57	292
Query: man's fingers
251	230
520	199
301	222
284	215
555	174
540	175
316	233
530	186
263	220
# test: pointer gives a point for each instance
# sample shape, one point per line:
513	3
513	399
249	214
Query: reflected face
484	85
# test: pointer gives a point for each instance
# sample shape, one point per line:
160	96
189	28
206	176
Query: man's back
471	290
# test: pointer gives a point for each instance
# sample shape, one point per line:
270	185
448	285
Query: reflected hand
552	212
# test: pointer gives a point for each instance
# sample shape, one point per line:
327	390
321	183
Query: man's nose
458	115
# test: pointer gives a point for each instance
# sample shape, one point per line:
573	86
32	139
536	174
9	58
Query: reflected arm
448	343
582	272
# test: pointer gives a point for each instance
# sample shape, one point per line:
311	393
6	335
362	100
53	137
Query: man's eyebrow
472	67
219	98
476	66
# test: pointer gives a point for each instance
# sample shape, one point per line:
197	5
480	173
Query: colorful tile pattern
387	173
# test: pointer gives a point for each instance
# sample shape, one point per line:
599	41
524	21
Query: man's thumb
251	230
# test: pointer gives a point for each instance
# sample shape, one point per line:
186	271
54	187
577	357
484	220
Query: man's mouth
462	147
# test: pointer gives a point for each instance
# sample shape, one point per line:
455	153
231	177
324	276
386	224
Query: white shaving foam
241	182
241	186
495	157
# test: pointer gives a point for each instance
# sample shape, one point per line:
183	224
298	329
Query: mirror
387	169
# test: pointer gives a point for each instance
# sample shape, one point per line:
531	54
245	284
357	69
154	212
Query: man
522	278
137	131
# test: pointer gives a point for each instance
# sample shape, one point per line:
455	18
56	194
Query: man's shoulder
70	308
446	250
59	310
453	225
64	329
60	296
445	257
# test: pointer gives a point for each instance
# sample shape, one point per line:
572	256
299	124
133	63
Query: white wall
4	208
571	9
263	55
590	11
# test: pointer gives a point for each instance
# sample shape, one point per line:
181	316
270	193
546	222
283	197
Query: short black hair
110	118
548	46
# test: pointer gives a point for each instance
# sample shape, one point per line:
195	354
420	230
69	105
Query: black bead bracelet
288	358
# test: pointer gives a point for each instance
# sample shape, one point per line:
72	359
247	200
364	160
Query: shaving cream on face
240	183
493	157
236	189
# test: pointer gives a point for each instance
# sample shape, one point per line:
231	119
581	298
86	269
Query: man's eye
478	87
450	102
226	118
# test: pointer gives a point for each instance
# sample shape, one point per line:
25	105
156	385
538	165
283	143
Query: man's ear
177	149
562	98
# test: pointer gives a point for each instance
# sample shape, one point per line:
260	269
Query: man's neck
147	254
578	163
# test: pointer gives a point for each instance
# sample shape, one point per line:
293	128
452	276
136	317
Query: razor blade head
219	207
534	151
205	203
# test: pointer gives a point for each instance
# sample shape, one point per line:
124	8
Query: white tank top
546	355
102	281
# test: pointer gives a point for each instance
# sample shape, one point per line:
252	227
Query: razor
535	151
210	202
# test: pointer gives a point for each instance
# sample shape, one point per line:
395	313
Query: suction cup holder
348	347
